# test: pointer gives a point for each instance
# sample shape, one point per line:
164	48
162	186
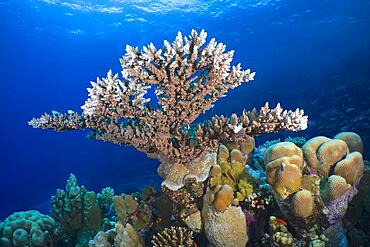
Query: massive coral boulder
28	228
228	228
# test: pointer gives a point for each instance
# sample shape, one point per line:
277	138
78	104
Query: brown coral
302	203
189	76
174	237
281	149
353	141
351	168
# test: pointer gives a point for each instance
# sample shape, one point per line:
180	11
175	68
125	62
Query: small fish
70	112
54	112
281	221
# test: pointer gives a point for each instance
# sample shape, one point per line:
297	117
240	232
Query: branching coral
189	76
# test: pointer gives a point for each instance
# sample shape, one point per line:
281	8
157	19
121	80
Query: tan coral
353	141
223	153
329	153
174	236
310	150
192	218
224	229
224	198
200	167
247	145
334	188
237	156
351	168
281	149
273	165
288	179
302	203
175	178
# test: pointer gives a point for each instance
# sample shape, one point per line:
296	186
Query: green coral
28	228
235	175
77	213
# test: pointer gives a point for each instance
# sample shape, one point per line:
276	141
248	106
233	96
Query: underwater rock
28	228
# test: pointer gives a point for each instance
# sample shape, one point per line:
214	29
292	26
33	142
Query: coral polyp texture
188	76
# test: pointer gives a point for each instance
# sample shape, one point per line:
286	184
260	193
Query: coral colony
218	189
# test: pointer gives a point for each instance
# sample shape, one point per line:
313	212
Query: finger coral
188	76
173	237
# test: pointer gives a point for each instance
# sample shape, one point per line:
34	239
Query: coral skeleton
188	77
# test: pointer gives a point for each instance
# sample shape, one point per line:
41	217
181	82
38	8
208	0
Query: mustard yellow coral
310	150
223	198
353	141
302	203
288	179
351	168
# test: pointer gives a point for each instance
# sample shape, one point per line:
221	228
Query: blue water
309	54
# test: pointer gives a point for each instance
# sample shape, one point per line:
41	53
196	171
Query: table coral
189	77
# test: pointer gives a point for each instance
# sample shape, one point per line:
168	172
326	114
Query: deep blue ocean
309	54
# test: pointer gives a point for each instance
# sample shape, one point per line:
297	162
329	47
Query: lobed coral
28	228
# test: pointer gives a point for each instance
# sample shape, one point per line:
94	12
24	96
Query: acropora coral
189	76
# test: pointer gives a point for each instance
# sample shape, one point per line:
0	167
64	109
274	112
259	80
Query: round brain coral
353	141
302	203
335	187
351	168
329	153
310	150
273	165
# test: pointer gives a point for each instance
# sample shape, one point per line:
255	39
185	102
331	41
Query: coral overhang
189	77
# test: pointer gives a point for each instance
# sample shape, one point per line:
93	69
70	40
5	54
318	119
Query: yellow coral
353	141
223	153
224	198
310	150
288	179
329	153
351	168
302	203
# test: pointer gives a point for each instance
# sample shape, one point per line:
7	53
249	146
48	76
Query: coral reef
28	228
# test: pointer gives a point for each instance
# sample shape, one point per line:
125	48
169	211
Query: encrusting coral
28	228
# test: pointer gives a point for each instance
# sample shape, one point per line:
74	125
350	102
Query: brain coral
302	203
329	153
310	150
353	141
28	228
283	165
351	168
334	188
